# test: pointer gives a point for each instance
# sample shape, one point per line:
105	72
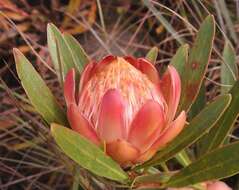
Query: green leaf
180	59
158	178
79	56
86	154
222	127
76	182
229	71
195	68
199	103
37	91
53	50
60	51
218	164
152	55
191	133
183	158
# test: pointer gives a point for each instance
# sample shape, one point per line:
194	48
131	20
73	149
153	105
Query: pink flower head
216	185
123	104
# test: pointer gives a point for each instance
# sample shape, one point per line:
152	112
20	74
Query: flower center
133	85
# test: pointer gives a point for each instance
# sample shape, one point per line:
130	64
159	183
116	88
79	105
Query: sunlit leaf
52	47
218	164
86	154
79	56
229	70
60	52
195	68
37	91
191	133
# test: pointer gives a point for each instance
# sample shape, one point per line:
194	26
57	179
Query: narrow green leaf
76	183
79	56
229	70
86	154
220	130
51	42
197	127
59	50
152	55
180	59
218	164
37	91
159	178
183	158
195	68
199	103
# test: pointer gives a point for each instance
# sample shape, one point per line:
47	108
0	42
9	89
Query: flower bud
123	104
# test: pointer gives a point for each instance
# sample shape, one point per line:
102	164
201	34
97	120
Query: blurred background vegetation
28	157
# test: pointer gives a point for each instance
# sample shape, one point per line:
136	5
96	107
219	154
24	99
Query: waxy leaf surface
153	178
79	56
59	51
65	51
222	127
37	91
86	154
218	164
195	67
229	70
180	59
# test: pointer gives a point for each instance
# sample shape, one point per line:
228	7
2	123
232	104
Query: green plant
209	128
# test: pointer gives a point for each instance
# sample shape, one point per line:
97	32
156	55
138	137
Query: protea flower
123	105
216	185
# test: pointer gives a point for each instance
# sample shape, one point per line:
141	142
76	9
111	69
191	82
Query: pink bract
122	103
216	185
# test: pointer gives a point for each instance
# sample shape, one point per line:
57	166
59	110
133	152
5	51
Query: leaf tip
155	48
152	54
49	25
185	49
53	127
17	54
210	17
